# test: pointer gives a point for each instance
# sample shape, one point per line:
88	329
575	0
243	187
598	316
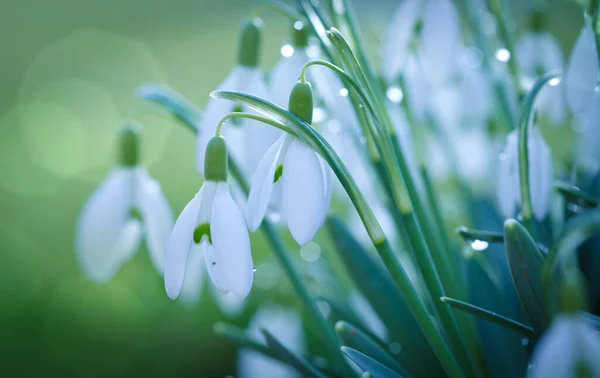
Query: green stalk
526	208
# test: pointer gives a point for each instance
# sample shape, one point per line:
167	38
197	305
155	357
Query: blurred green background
68	70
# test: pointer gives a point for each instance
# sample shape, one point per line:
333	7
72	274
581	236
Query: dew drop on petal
503	55
554	82
311	252
287	51
395	348
254	269
479	245
395	94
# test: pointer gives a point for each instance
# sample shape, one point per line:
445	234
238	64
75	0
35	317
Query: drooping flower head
128	206
540	175
249	139
213	224
302	176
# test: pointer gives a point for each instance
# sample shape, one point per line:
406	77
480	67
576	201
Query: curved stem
254	117
278	7
524	123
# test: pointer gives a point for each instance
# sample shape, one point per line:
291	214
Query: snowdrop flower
540	175
212	221
129	204
582	77
304	178
250	139
538	53
286	72
432	23
286	326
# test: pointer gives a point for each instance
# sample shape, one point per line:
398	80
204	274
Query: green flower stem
526	117
310	136
498	9
254	117
594	12
279	7
473	21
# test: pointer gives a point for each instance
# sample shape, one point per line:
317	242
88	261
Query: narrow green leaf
378	288
354	338
179	106
490	316
366	363
525	262
575	195
470	235
304	367
240	338
340	310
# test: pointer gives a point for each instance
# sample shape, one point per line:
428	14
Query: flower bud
301	101
129	140
215	161
250	40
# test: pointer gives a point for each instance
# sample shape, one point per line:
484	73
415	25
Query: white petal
526	53
262	186
231	242
180	242
191	289
284	75
569	342
440	40
540	173
582	72
397	38
327	188
588	152
102	241
507	186
418	90
216	268
303	194
157	218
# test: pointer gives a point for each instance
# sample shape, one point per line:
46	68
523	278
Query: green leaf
575	195
354	338
490	316
370	365
240	338
525	262
179	106
378	288
470	235
304	367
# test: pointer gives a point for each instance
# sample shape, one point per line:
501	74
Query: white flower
212	220
128	205
283	324
305	183
539	53
583	73
540	175
439	39
569	348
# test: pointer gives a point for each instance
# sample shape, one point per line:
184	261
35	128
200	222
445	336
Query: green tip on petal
249	43
201	231
278	173
301	101
129	140
215	162
300	35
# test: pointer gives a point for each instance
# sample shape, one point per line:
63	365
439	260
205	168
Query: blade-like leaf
378	288
525	262
240	338
354	338
490	316
300	364
370	365
179	106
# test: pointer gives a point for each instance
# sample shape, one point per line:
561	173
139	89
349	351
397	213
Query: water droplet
503	55
524	341
554	82
287	50
395	94
298	25
343	92
274	216
573	207
362	140
597	88
254	269
479	245
502	156
310	252
395	348
325	308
